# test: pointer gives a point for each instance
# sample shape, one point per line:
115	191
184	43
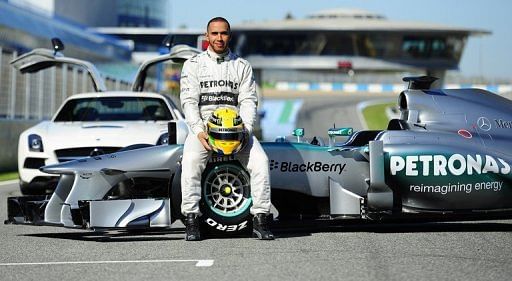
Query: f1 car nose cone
226	190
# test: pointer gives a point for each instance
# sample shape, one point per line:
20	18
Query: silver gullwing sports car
448	156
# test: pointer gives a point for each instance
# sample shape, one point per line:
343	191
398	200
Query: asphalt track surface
355	251
428	251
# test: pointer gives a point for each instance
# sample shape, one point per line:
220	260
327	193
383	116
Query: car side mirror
338	132
168	42
57	45
299	133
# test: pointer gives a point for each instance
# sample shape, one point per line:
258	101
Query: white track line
199	263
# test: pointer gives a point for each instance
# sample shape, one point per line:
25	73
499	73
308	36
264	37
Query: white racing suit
209	81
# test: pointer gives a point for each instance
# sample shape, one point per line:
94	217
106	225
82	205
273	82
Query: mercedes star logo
484	124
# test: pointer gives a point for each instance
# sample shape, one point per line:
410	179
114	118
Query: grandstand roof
341	19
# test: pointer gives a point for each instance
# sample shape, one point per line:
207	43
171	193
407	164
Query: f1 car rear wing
39	59
177	54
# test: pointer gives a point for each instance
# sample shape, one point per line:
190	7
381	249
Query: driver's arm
248	98
189	96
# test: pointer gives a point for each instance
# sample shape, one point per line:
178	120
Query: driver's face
218	36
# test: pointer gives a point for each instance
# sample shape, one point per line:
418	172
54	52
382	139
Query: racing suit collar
218	57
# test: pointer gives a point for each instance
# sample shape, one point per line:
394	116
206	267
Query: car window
163	78
114	109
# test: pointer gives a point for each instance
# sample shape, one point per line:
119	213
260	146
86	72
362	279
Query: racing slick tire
225	199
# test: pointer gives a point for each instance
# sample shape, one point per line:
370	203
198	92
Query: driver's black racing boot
192	231
260	228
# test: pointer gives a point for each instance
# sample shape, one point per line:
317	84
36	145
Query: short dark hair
215	19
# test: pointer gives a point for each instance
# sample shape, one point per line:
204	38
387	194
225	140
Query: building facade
115	13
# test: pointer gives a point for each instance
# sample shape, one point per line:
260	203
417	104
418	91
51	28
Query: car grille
33	163
69	154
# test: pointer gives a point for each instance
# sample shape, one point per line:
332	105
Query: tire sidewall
212	223
216	224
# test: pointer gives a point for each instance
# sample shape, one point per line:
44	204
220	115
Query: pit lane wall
10	130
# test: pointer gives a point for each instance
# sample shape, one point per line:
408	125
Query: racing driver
212	79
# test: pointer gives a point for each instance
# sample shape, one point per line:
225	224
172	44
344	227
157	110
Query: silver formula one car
447	156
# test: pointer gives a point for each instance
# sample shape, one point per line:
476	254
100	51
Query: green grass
8	176
375	116
268	85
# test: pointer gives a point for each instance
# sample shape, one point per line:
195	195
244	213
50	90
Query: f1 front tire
226	199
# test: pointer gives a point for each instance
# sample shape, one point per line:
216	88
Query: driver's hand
203	138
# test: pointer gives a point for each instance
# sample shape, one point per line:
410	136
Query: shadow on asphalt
283	231
116	236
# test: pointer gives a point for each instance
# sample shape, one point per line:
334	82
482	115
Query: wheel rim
227	190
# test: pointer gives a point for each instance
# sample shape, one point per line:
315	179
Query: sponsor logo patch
483	123
306	167
503	124
217	159
218	83
447	188
441	165
226	227
218	98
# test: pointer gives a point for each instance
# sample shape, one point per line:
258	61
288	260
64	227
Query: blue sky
489	56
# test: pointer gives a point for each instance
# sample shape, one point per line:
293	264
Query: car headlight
163	139
35	143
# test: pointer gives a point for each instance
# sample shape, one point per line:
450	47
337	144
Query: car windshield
114	109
